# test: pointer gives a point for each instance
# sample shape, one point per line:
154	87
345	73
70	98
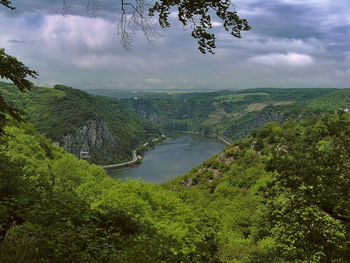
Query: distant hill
235	114
102	127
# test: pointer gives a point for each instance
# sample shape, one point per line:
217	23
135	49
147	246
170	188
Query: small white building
84	155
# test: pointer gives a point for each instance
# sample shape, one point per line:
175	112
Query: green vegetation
16	71
56	208
280	195
234	114
61	111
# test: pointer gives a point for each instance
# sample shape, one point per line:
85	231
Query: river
175	157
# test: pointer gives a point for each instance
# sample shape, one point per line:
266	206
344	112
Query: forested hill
79	121
280	195
235	114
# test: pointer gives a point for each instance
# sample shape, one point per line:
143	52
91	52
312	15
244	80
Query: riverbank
137	154
121	165
221	138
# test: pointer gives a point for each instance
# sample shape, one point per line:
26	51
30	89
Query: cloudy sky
293	43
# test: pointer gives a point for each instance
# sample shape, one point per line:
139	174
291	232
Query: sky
292	44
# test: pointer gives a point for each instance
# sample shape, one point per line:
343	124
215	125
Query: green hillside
235	114
62	110
333	101
56	208
280	195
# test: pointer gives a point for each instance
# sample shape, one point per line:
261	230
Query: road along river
175	157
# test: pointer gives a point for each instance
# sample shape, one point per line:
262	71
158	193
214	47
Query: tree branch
7	4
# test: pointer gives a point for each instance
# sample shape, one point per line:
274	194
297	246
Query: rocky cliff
93	139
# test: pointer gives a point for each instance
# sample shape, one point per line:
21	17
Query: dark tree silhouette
7	4
17	72
197	14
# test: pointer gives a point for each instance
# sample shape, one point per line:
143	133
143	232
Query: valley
213	132
192	199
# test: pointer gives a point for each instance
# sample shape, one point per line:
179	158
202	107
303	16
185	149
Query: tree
17	72
7	4
137	14
316	166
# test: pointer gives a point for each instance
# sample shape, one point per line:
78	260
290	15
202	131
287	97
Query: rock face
149	115
146	111
257	121
94	136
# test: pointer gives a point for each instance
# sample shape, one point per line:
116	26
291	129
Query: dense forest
279	195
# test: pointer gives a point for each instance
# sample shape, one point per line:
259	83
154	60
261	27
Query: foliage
281	195
7	4
317	163
60	111
55	208
234	114
198	14
16	71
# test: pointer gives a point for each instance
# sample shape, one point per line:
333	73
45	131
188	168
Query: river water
175	157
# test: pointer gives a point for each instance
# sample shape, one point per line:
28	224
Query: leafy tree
17	72
7	4
306	217
316	166
198	15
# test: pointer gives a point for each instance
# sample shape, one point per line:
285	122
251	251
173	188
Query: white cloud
278	59
92	33
216	24
154	81
307	2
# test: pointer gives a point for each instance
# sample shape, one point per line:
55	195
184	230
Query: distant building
345	109
84	155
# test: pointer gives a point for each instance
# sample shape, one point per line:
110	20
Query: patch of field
236	97
283	103
215	117
261	105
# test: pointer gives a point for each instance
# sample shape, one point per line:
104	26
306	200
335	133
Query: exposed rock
93	136
146	112
268	114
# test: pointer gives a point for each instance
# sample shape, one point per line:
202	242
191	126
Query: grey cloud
15	41
291	45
